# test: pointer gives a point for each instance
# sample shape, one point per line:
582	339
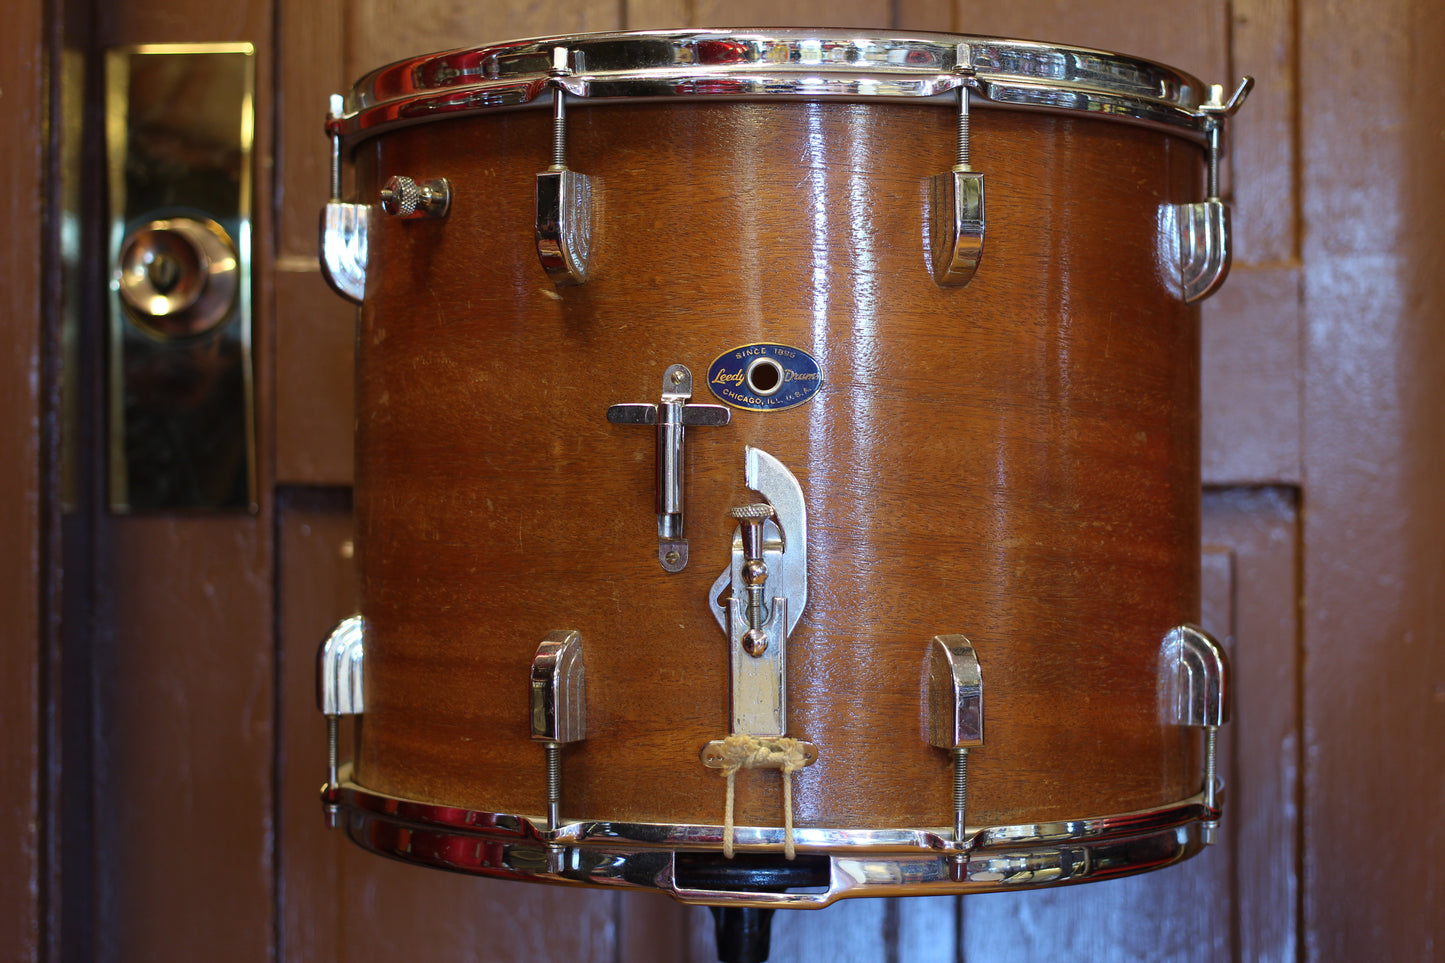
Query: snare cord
752	752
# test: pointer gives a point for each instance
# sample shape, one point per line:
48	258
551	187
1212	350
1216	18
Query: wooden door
169	750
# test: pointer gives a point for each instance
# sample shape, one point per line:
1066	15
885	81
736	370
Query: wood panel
1264	135
183	656
1260	528
1374	659
315	360
1191	36
183	744
381	31
813	13
1251	379
25	510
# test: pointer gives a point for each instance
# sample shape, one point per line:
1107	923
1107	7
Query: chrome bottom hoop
867	862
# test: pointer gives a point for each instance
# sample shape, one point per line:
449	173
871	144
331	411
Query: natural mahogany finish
1016	460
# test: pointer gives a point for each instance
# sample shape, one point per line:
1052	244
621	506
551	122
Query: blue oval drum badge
764	377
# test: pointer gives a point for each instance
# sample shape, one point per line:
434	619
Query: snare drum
745	420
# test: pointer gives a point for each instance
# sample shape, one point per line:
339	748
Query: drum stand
743	933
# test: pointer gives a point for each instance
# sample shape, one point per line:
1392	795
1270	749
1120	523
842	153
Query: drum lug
1203	228
564	225
564	197
953	716
558	707
958	213
1204	255
339	692
672	417
1195	670
343	225
958	227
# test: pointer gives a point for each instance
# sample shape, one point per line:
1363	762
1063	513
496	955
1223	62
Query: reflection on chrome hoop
862	862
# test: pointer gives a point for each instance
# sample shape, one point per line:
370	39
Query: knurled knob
400	196
758	510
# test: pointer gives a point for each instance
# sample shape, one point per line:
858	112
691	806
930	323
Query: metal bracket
953	712
343	226
339	692
1204	254
672	417
1203	229
564	197
558	706
958	211
1195	673
757	638
958	227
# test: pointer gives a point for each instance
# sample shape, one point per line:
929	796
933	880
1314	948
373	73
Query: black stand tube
743	933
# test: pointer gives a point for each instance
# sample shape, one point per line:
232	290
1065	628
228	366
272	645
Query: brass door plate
182	421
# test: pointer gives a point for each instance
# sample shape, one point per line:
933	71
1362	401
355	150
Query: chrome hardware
672	418
755	572
559	707
343	248
1204	254
343	226
953	714
339	692
784	64
1195	670
1202	229
564	197
770	555
958	218
405	198
862	862
1218	107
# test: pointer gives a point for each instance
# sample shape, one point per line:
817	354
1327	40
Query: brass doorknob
178	277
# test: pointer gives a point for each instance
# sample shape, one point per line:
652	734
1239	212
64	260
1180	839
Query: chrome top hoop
783	63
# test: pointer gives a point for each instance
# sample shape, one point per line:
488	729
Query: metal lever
953	713
770	557
339	693
559	707
1196	670
672	417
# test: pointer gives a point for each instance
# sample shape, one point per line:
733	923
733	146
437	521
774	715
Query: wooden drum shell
1016	460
